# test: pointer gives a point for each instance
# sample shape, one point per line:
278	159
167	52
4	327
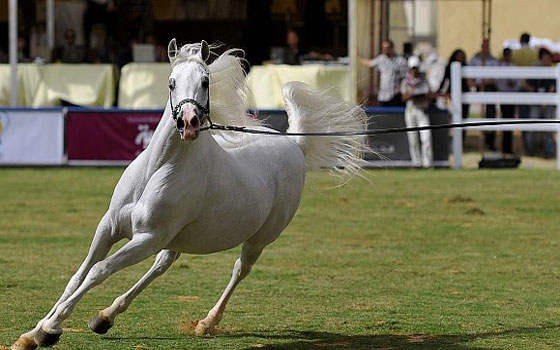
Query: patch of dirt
188	327
457	199
344	200
453	291
73	330
389	324
455	271
469	325
475	211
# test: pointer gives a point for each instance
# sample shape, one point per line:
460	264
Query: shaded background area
253	25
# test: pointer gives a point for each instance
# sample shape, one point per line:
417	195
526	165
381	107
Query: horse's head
189	87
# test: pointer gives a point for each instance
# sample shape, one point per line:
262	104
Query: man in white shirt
392	69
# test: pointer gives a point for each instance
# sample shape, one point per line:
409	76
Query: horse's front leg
100	246
242	267
105	318
138	249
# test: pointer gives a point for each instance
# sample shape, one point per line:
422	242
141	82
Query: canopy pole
50	25
352	49
13	37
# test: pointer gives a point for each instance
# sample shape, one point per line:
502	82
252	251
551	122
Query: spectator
525	56
508	111
444	89
22	50
485	58
295	53
69	52
392	69
541	111
292	52
416	92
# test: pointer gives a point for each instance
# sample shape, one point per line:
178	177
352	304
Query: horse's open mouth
189	133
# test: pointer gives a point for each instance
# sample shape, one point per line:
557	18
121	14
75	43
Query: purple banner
109	135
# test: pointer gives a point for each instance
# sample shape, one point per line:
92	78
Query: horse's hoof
43	338
24	343
100	325
202	329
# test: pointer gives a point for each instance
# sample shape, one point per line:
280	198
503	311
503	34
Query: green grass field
436	259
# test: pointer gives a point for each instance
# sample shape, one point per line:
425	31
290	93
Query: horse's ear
172	50
204	50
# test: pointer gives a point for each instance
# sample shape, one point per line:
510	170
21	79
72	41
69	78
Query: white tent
535	43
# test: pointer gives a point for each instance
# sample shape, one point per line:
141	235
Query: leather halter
176	110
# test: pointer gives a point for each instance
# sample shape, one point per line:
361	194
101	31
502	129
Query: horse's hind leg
105	318
136	250
100	246
242	267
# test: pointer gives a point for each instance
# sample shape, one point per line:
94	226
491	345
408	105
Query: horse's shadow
306	340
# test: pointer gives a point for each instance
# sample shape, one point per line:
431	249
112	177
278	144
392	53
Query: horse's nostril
180	123
194	122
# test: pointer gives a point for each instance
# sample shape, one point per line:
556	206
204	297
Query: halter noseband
175	110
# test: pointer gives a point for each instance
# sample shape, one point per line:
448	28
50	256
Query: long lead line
247	130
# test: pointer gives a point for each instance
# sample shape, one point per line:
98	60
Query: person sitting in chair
295	53
69	52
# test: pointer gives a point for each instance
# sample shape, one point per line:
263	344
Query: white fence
459	98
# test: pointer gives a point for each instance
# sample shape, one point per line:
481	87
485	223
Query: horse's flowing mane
228	84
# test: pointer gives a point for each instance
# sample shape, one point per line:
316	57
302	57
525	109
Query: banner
389	150
392	149
109	137
31	137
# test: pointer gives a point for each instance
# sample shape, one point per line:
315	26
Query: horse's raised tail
315	111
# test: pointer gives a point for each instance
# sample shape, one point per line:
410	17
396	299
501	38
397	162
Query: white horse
201	192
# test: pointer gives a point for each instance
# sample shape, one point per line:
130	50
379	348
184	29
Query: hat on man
413	62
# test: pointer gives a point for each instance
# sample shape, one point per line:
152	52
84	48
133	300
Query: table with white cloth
144	85
265	82
47	85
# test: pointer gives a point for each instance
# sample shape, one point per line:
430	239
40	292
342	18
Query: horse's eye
171	84
205	83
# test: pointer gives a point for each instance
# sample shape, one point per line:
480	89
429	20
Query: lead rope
246	130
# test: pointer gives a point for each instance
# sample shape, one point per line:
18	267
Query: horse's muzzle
188	126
